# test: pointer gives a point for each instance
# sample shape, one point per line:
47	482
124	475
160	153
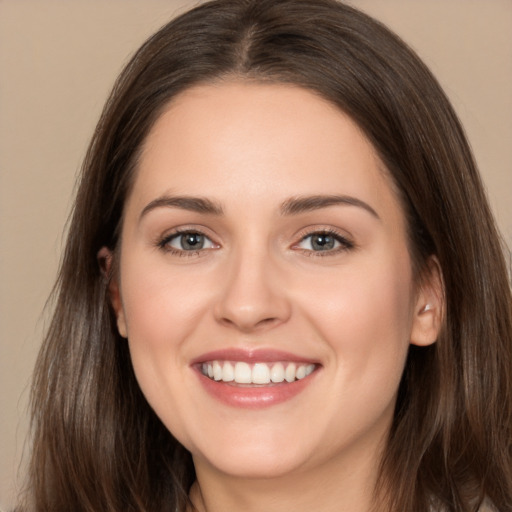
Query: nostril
248	325
267	321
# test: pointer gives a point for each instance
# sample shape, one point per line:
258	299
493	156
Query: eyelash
163	243
344	243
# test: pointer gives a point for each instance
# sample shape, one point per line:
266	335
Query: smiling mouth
260	373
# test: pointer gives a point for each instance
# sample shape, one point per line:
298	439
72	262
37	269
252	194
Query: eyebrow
292	206
304	204
192	204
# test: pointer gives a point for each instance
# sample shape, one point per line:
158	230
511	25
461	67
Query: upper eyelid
328	231
340	239
347	242
316	229
179	230
162	240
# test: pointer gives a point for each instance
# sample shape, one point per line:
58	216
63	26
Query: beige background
58	60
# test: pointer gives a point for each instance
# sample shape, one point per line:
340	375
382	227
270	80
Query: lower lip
254	397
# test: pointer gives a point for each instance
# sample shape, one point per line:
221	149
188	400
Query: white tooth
289	374
260	374
204	369
210	370
301	371
217	370
242	373
228	372
309	369
277	373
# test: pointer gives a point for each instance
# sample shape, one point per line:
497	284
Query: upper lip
251	356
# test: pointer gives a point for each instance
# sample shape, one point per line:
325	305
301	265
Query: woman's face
265	282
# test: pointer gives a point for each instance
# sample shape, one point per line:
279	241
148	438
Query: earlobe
429	307
117	306
105	260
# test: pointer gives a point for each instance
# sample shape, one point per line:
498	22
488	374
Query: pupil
192	241
322	242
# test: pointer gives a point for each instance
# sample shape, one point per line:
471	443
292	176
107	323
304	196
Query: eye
187	241
324	241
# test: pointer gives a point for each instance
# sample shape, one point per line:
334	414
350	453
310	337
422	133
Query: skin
258	283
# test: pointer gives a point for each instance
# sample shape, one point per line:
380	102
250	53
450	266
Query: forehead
224	115
255	140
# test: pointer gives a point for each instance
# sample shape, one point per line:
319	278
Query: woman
282	287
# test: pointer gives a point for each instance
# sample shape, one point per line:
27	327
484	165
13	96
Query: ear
429	307
105	260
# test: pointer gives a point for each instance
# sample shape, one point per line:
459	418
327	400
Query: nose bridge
252	296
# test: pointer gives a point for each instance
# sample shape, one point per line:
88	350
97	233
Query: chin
263	451
254	466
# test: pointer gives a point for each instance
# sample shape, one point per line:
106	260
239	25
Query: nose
254	296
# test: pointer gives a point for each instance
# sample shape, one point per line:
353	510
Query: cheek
366	323
365	315
161	306
162	310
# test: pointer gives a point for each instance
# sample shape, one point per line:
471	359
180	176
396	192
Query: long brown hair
97	445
